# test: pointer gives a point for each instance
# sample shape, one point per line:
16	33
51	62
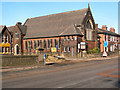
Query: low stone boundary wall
11	60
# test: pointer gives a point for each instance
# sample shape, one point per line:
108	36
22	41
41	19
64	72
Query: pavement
4	69
93	74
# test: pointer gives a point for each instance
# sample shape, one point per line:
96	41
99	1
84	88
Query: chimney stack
112	29
104	27
18	23
96	25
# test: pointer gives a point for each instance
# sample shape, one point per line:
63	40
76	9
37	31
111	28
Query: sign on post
78	45
56	46
105	43
44	56
83	46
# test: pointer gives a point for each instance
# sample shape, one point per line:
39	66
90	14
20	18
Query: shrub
96	50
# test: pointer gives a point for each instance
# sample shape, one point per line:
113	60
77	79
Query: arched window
31	44
16	35
26	45
88	31
34	44
38	43
48	44
59	42
44	44
88	25
55	42
51	42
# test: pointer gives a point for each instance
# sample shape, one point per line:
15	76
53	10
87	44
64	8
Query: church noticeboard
82	44
53	49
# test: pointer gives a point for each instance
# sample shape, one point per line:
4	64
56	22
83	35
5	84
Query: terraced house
109	36
63	30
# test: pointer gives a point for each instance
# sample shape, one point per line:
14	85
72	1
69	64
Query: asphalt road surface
97	74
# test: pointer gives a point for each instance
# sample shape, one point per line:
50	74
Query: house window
7	49
6	39
71	37
59	43
68	49
26	45
75	38
113	38
64	49
16	35
12	49
38	43
64	38
110	38
48	44
44	44
68	38
34	45
51	43
3	49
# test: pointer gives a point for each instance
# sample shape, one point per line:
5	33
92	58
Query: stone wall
24	60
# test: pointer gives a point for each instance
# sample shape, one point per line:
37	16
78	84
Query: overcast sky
104	13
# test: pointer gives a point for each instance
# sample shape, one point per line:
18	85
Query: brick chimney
104	27
18	23
96	25
112	29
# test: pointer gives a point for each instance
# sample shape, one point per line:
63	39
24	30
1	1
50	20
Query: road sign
53	49
105	43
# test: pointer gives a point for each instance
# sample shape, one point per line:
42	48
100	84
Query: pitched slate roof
11	28
1	28
55	24
101	31
21	28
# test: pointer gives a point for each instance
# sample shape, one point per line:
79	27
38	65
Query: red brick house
12	38
111	37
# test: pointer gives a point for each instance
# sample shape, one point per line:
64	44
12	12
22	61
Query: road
98	74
